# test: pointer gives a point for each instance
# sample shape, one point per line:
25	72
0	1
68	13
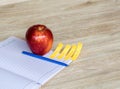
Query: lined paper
12	59
9	80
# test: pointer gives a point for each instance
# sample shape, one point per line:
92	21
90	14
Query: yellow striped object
64	52
58	49
77	52
69	52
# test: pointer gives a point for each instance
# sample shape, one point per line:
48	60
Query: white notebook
19	71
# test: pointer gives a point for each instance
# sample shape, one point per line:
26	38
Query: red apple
40	39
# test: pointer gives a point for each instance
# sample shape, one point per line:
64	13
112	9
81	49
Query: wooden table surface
95	23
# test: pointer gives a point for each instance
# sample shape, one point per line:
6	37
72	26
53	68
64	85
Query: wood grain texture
8	2
95	23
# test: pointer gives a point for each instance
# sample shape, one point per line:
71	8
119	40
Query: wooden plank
95	23
7	2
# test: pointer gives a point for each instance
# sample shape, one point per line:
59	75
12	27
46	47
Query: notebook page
9	80
56	69
13	60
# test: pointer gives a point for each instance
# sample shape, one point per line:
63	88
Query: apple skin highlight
39	39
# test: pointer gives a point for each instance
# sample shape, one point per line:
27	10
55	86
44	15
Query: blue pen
44	58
